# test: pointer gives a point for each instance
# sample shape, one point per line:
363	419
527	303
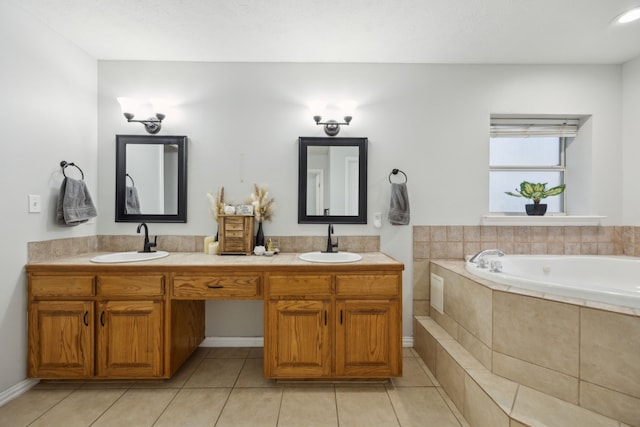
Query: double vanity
141	320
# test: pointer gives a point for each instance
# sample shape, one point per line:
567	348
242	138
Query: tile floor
225	387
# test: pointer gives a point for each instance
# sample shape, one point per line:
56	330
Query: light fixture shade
347	107
128	105
160	105
629	16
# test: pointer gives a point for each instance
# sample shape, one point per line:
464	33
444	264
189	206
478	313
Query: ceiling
371	31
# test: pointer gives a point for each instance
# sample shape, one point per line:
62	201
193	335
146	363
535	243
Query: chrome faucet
479	260
330	244
147	244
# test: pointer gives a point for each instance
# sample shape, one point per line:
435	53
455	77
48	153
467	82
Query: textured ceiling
378	31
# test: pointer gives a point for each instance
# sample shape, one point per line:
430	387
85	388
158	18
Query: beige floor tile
137	408
308	406
24	409
194	407
412	375
252	375
364	406
407	352
215	373
256	353
228	353
251	407
80	408
421	406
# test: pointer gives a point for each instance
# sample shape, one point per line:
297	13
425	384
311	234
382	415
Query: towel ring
395	172
133	183
64	164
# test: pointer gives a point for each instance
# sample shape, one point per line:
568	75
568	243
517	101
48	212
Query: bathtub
612	280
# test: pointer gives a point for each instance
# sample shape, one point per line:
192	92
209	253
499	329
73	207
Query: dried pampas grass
263	206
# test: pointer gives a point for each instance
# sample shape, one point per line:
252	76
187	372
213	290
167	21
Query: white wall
47	114
631	141
431	121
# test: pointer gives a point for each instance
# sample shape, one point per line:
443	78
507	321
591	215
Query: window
522	149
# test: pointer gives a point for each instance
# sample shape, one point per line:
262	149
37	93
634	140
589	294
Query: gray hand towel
132	205
75	205
399	208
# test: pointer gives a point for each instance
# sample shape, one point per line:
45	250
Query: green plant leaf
555	190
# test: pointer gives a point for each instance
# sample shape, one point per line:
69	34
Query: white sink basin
129	257
330	257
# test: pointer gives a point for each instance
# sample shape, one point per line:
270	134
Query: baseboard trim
259	342
15	391
233	342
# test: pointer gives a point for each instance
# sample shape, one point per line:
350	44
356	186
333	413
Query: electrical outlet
34	203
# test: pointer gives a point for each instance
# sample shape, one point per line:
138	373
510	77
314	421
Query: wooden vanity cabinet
88	326
368	325
298	326
333	326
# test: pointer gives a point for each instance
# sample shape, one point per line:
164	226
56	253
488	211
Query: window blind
509	128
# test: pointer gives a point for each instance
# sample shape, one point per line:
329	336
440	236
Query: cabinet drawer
368	284
62	286
131	285
299	285
216	287
230	234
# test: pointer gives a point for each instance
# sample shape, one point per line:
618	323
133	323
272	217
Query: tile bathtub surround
222	387
486	399
454	242
457	241
576	353
50	249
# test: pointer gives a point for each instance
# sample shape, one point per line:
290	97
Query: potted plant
536	192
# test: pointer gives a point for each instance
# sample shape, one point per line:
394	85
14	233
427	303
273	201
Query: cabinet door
368	338
298	339
61	339
129	335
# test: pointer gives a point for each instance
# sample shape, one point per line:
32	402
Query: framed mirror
151	178
332	180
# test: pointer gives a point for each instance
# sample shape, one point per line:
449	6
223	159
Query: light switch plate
34	203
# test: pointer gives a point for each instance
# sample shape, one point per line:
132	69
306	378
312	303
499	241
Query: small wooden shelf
235	234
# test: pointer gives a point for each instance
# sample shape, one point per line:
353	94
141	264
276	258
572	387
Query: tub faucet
147	244
479	260
330	244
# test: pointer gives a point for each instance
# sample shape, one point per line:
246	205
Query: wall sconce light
332	127
129	108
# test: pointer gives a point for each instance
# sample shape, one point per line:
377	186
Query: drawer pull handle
215	286
325	318
102	318
341	317
85	318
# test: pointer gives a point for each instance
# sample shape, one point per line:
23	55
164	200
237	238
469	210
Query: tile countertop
376	260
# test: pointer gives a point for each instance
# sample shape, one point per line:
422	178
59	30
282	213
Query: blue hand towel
75	205
399	213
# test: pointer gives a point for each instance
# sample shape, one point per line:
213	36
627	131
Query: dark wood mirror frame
304	144
121	178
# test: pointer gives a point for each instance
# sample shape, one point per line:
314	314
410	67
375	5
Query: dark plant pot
536	209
